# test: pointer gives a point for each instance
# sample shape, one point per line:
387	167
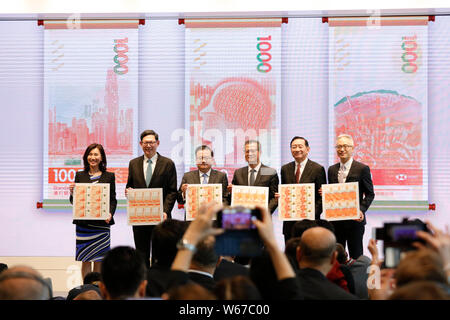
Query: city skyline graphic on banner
78	118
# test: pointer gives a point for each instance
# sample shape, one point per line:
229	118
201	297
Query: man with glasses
349	170
151	170
204	174
257	174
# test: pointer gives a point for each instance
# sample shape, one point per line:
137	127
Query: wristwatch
183	244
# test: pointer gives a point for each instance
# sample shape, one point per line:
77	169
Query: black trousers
142	241
350	233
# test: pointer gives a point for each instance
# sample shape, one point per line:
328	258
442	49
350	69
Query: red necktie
297	174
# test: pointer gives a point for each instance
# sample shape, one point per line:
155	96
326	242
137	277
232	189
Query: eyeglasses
149	143
345	146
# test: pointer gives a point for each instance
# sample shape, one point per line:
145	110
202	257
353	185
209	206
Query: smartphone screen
237	219
240	237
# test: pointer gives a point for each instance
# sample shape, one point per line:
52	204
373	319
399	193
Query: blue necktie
148	176
204	178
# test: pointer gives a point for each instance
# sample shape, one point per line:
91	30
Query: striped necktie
204	181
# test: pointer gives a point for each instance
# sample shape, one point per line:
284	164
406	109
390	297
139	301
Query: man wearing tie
204	175
151	170
349	170
302	170
257	174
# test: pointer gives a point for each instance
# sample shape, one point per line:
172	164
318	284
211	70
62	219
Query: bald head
23	283
317	247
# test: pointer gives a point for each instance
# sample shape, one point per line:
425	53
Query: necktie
148	176
297	174
204	181
341	174
252	177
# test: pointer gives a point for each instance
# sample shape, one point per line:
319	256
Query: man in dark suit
151	170
316	255
302	170
257	174
349	170
204	175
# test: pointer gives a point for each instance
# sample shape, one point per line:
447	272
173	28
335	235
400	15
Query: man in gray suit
302	170
257	174
204	175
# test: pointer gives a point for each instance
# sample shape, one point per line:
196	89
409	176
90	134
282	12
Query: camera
240	237
398	238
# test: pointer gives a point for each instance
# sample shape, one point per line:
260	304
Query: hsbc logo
401	177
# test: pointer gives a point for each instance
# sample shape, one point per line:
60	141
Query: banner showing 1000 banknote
233	88
378	94
90	96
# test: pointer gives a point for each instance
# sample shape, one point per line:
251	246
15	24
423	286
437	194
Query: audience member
227	268
123	274
164	248
358	268
189	291
84	292
290	249
3	267
23	283
420	265
204	263
237	288
92	278
420	290
301	226
316	256
201	227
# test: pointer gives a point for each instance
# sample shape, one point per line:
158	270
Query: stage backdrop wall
28	231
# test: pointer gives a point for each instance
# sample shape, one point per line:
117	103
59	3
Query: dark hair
164	241
290	250
92	278
237	288
297	137
263	275
253	141
3	267
123	270
341	256
204	147
301	226
102	165
149	133
206	255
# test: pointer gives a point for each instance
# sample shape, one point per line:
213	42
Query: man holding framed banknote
351	232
